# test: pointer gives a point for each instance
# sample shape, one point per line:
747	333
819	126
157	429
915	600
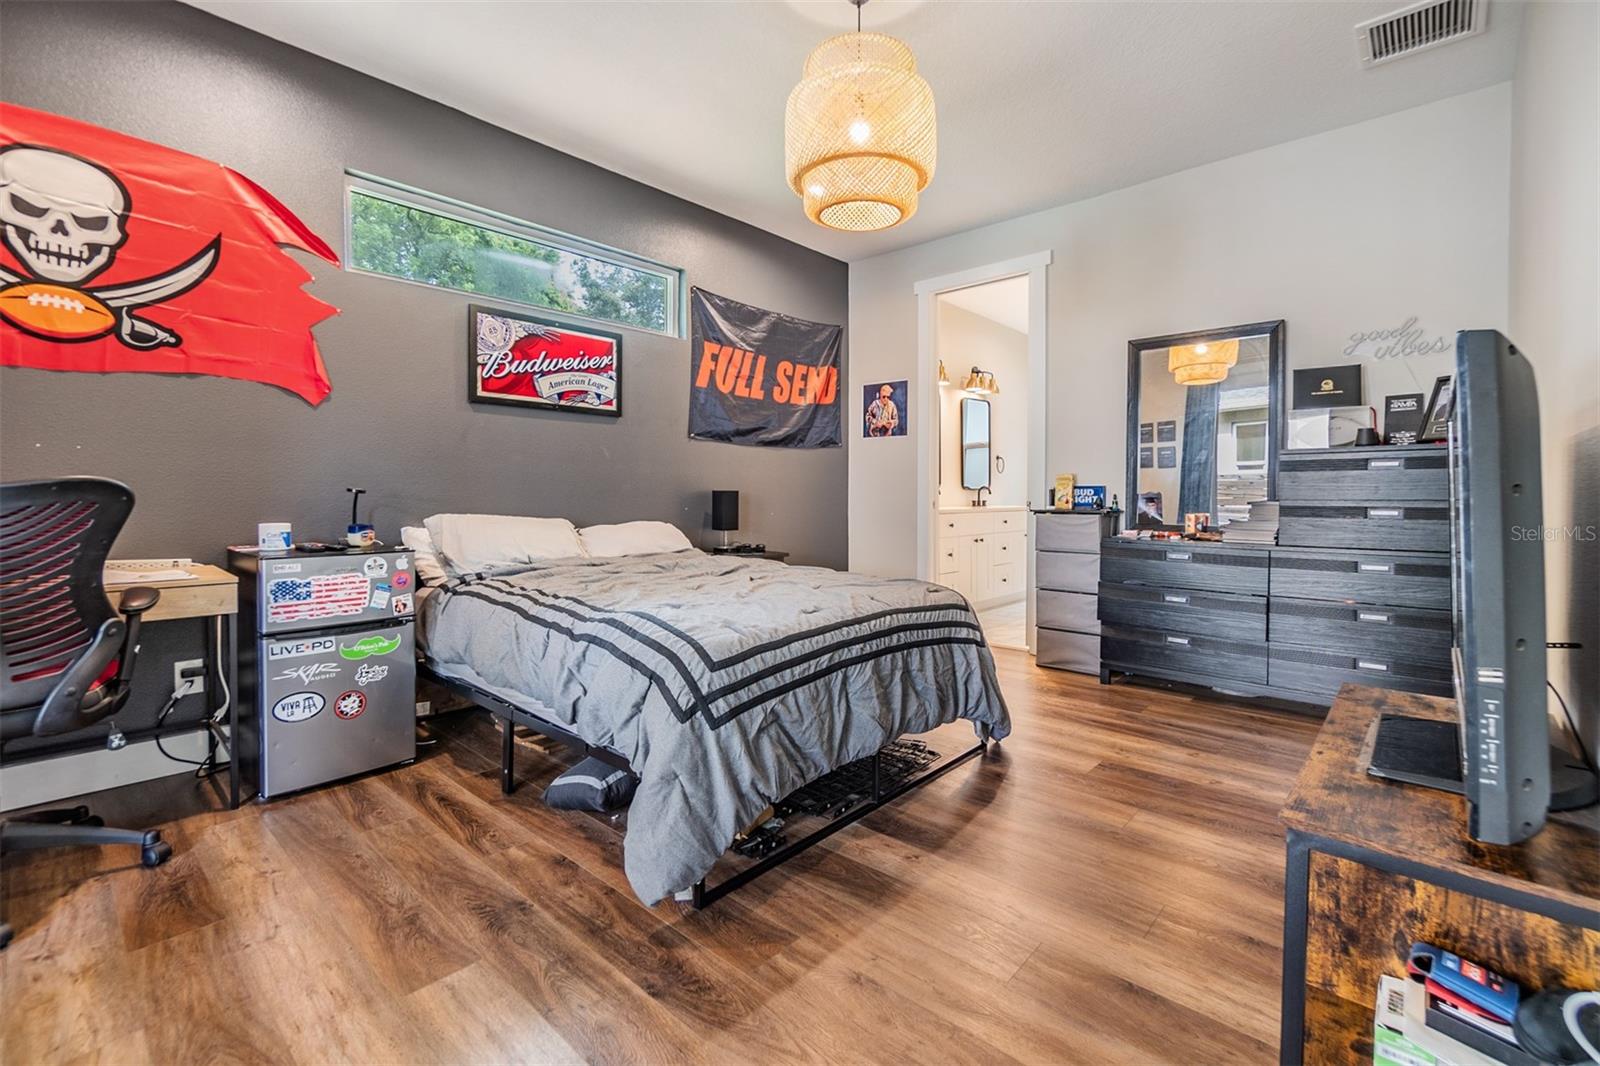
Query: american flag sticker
297	599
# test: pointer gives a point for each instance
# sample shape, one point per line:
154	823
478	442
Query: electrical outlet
188	677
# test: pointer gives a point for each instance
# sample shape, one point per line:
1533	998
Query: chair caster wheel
156	853
93	819
80	816
5	935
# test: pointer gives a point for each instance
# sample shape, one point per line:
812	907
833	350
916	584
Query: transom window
414	236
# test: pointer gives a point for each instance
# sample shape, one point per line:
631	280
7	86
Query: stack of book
1260	528
1450	1011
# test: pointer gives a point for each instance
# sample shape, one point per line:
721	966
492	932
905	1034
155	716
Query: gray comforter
726	683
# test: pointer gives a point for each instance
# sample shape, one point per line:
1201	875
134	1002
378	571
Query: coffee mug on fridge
360	535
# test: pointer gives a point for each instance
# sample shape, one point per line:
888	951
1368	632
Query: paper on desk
134	577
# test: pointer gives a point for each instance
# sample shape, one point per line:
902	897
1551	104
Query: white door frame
926	399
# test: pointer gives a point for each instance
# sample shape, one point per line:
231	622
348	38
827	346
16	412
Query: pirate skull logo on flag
64	218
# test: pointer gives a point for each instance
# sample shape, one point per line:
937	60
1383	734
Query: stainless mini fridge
328	669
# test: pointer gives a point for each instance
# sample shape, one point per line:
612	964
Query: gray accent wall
208	458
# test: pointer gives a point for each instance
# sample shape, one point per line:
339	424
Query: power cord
1572	723
161	720
206	767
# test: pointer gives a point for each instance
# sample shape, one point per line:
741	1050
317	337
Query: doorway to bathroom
982	466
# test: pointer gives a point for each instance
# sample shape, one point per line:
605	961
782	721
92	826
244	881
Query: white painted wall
1555	290
966	340
1356	229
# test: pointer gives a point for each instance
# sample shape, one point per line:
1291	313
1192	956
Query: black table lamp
724	512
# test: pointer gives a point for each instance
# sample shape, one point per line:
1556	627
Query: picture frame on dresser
1197	477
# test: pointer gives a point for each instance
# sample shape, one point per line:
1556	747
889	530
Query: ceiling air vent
1418	27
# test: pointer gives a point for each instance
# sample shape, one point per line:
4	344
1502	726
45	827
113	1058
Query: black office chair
66	658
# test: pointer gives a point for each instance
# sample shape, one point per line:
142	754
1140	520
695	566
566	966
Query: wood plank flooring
1102	888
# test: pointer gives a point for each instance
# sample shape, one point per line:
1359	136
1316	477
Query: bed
724	683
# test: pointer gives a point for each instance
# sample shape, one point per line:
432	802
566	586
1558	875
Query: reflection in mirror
1201	448
974	444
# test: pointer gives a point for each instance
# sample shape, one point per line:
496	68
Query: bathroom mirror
1205	424
975	444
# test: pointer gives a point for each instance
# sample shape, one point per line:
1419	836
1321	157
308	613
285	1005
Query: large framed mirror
975	444
1205	423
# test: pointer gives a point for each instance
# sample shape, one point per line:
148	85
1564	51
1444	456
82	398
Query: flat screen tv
1498	570
1498	753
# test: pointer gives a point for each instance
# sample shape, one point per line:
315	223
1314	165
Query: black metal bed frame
701	894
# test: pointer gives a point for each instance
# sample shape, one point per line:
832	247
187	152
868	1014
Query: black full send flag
758	377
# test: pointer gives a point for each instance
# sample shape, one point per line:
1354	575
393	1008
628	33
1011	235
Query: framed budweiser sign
525	361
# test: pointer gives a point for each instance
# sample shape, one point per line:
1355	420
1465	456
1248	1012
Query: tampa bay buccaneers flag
118	254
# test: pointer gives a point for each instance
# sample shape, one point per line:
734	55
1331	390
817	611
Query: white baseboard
30	783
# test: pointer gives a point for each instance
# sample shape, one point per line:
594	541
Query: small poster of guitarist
884	407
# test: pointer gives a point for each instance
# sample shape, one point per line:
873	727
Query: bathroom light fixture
860	137
1202	364
981	382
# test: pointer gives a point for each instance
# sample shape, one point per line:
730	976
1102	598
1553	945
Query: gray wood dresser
1357	589
1066	570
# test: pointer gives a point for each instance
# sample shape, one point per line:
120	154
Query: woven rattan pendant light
1202	364
859	132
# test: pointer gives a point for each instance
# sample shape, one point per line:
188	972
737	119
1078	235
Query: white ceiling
1039	103
1005	302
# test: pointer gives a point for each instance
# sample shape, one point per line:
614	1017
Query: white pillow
430	569
632	538
469	543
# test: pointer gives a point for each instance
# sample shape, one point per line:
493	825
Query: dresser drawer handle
1178	640
1382	464
1371	616
1383	512
1367	664
1374	568
1175	599
1180	556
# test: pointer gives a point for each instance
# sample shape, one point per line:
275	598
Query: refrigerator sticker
402	604
370	672
286	568
294	599
376	566
402	580
402	562
309	674
380	597
299	707
294	649
373	645
350	704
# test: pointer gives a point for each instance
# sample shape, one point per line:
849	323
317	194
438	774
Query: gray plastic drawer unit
1066	566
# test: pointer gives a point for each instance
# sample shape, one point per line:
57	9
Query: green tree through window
405	241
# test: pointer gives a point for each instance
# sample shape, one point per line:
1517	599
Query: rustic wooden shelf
1374	865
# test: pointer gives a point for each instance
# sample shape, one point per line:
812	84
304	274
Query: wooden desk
212	593
1374	865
